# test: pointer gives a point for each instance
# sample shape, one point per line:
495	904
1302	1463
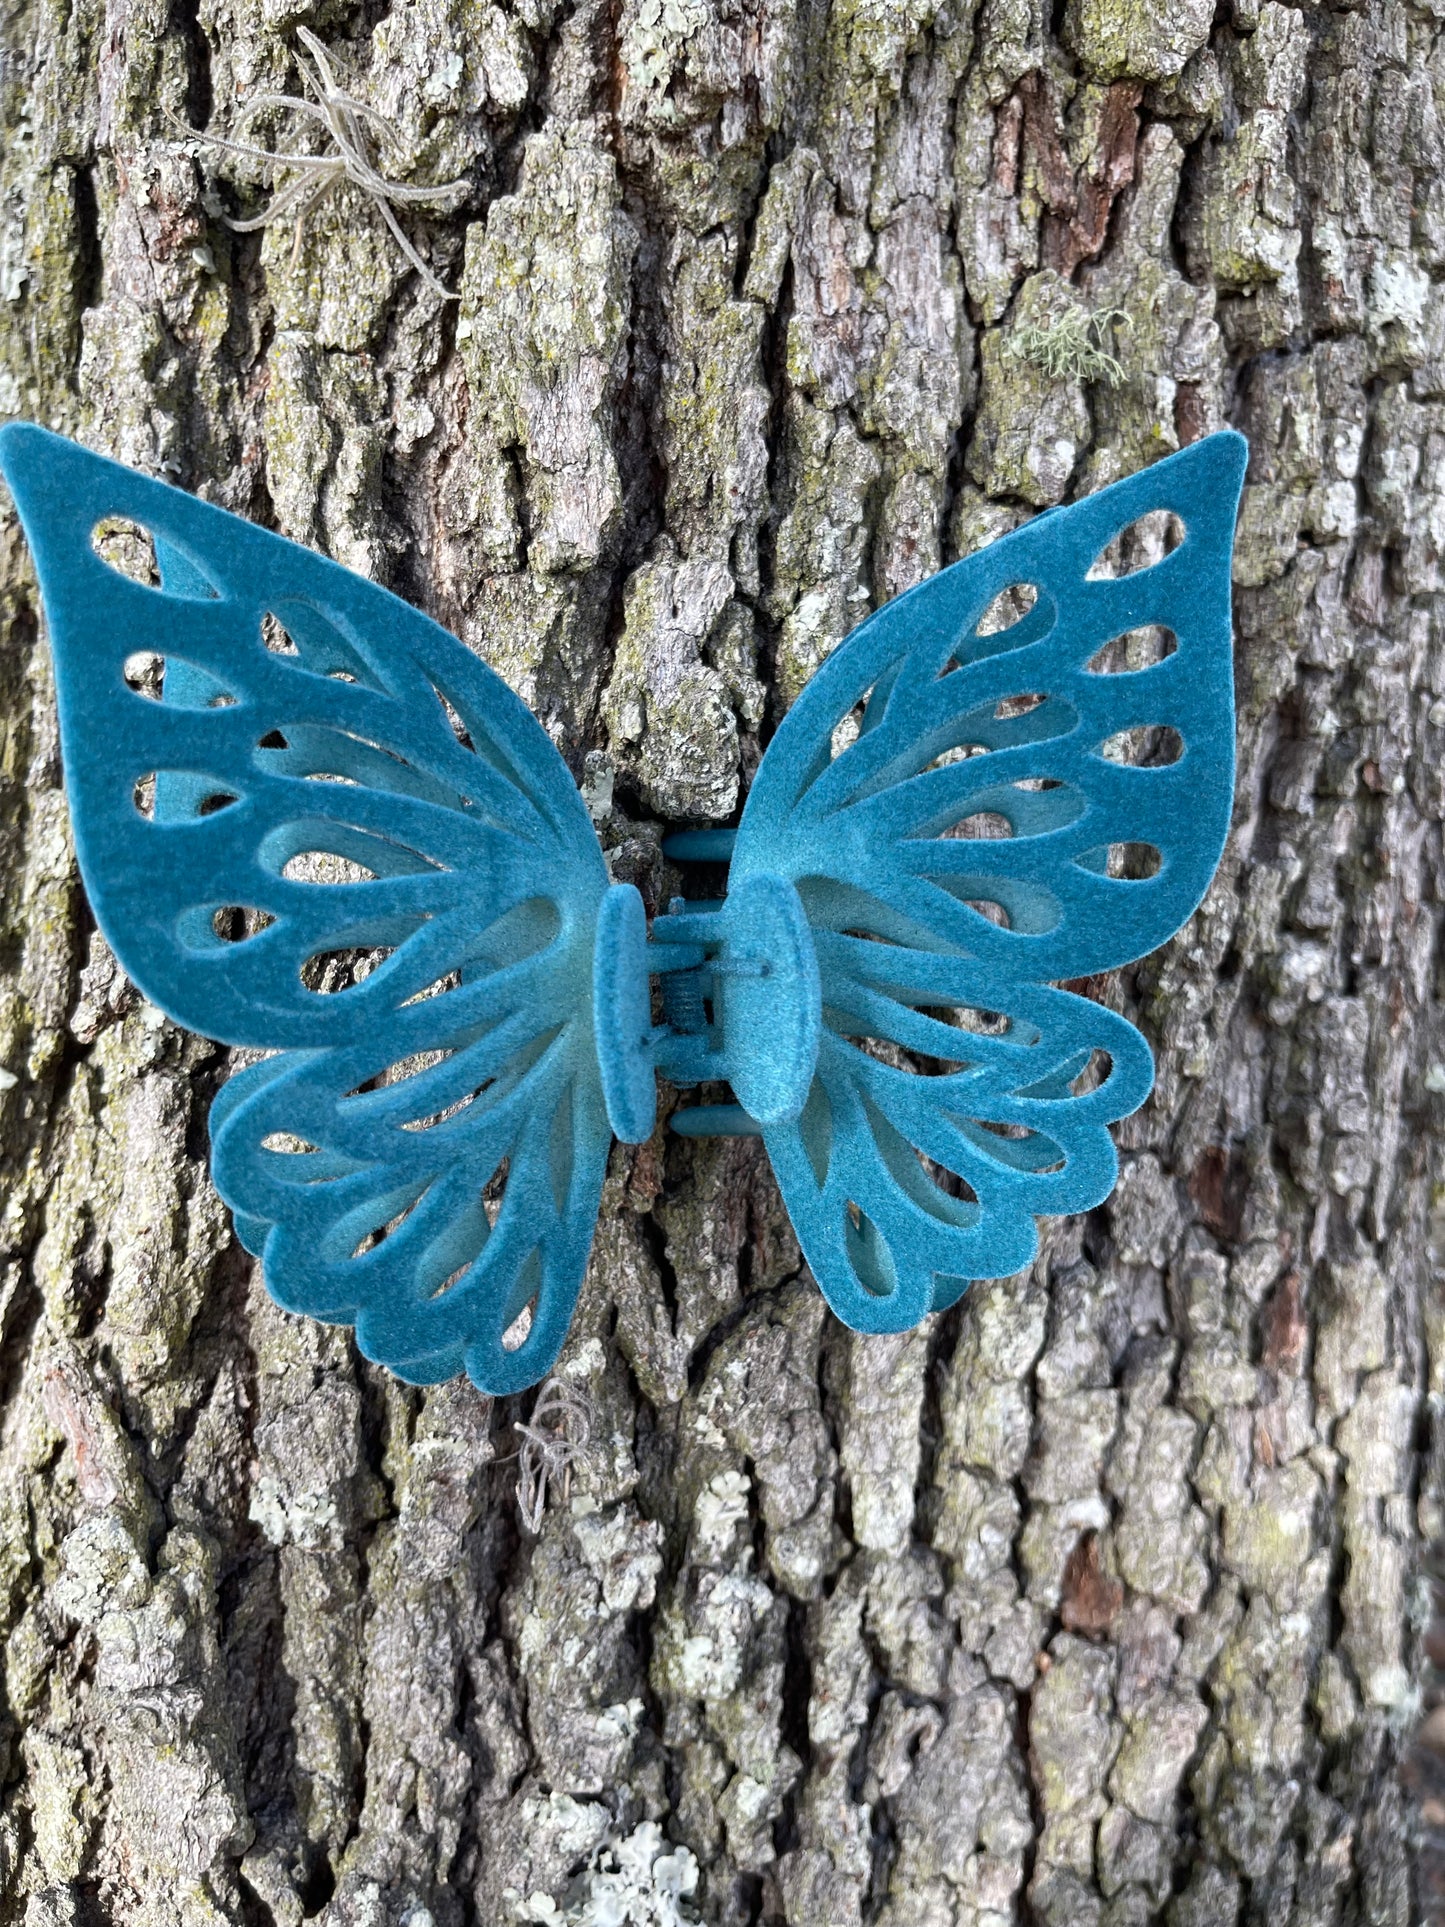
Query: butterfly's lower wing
937	1127
431	1200
990	807
315	773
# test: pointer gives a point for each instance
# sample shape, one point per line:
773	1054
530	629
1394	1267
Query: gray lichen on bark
1097	1600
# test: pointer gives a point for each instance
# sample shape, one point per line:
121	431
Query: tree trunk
1097	1599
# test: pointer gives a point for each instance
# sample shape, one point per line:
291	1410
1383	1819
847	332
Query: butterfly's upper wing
320	769
970	818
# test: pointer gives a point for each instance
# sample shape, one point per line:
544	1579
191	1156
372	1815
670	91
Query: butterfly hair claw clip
950	821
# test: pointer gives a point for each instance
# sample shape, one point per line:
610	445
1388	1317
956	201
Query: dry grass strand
558	1432
346	121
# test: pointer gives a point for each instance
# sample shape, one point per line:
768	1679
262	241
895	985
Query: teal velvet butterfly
955	816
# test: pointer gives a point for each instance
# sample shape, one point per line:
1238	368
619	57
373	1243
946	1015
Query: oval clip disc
772	1001
622	1015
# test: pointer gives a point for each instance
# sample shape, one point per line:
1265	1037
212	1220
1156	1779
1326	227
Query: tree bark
1096	1600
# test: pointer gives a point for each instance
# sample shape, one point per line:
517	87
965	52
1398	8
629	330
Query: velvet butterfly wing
311	822
1017	773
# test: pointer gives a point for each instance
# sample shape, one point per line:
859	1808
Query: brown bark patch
1092	1600
1284	1327
1008	145
1042	139
1081	203
1216	1184
1191	413
69	1406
